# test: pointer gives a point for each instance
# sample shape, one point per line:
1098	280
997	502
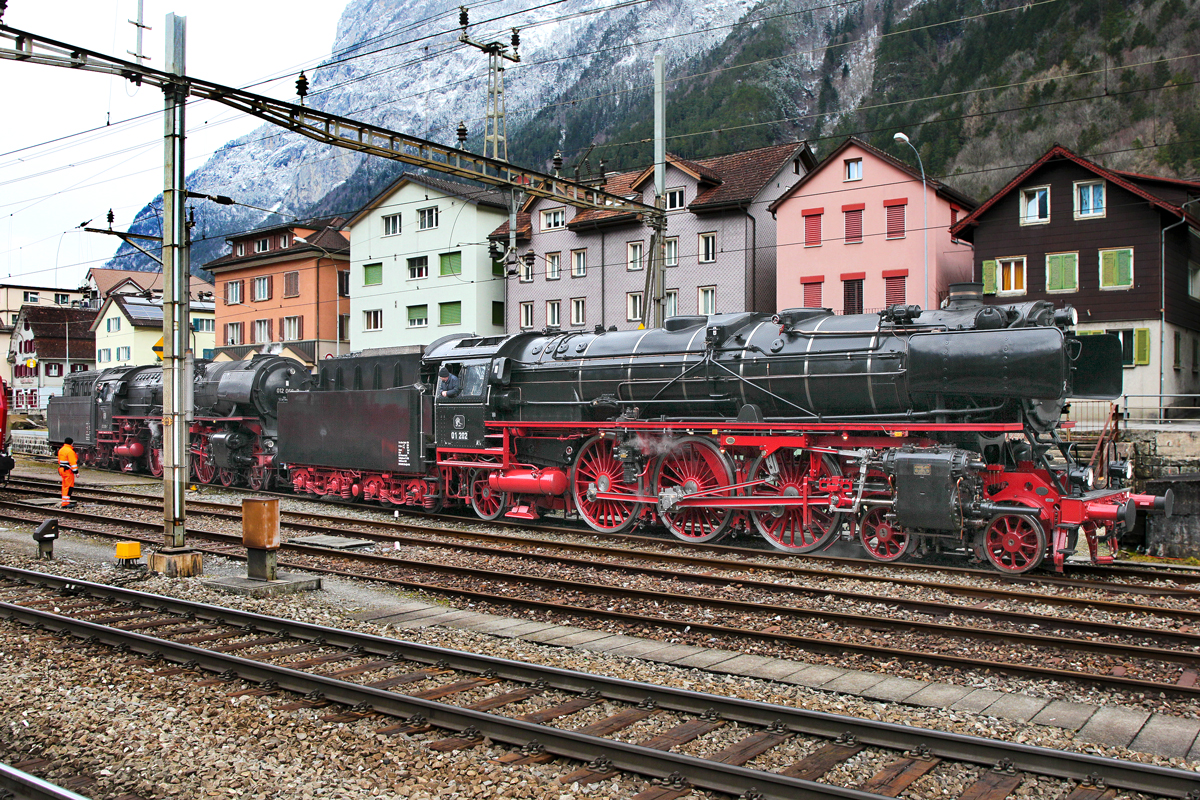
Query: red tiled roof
48	324
524	227
621	185
326	239
1124	180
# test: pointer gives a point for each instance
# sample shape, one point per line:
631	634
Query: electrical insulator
558	162
462	134
462	16
302	85
111	217
516	40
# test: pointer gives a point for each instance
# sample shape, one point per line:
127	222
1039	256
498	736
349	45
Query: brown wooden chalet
1122	248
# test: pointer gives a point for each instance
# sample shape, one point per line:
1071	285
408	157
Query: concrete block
1113	726
546	634
674	653
740	665
1063	714
639	649
938	695
523	628
776	669
705	658
853	682
1171	737
390	610
611	643
493	625
815	676
894	690
284	584
975	701
1017	706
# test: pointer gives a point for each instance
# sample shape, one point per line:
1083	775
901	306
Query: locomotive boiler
910	431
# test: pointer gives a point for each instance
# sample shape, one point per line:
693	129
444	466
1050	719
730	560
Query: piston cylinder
549	482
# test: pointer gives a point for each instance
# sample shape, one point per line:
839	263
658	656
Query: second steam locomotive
910	431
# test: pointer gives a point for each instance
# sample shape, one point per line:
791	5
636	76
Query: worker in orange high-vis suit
68	468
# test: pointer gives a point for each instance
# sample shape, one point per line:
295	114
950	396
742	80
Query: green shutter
498	268
989	277
1141	345
1088	333
1124	268
1054	273
418	312
1108	269
1070	262
498	313
372	274
450	313
452	263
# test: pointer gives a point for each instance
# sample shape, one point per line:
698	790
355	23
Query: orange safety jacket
67	458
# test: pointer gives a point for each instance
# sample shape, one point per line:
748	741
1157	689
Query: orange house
284	289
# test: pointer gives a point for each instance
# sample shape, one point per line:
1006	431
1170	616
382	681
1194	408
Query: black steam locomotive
911	431
115	417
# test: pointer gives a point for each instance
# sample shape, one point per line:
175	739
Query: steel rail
20	785
829	646
712	563
1134	776
1188	577
934	608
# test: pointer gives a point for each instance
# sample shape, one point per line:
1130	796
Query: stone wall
1163	453
1176	536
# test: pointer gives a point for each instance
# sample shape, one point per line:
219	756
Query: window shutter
812	295
1141	345
451	313
1108	268
854	225
451	263
812	230
226	326
895	221
893	290
1054	272
1124	268
282	329
300	327
270	286
1070	271
271	326
989	276
227	284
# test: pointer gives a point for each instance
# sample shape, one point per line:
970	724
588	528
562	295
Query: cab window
472	379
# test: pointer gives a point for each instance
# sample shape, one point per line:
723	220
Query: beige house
128	328
12	297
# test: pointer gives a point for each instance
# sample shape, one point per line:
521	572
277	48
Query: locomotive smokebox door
459	420
926	491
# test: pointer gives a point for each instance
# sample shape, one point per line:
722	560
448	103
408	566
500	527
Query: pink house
849	235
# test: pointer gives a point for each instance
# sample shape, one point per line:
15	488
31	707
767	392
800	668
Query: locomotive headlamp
1121	469
268	444
1083	477
1066	317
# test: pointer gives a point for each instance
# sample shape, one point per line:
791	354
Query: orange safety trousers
68	482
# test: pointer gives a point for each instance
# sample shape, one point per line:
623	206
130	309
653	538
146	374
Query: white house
419	264
127	329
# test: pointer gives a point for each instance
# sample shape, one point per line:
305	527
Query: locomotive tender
911	431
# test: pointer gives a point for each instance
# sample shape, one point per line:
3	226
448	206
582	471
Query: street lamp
902	138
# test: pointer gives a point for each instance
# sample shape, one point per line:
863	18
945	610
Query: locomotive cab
459	421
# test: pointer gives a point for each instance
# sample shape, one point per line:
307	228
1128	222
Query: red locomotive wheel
598	466
487	502
784	526
227	477
695	465
882	540
154	461
1014	543
259	479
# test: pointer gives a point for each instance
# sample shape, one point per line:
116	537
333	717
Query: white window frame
526	271
124	353
1000	262
262	290
418	271
671	252
241	249
635	256
283	242
553	266
204	325
1194	280
1073	290
262	331
1118	287
554	219
112	324
234	292
373	319
104	355
391	225
526	315
291	329
673	199
670	303
554	313
579	263
427	218
237	333
1028	193
711	293
31	297
1079	214
852	170
708	248
633	306
262	245
578	310
419	322
61	298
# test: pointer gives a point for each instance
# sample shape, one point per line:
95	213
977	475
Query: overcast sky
48	188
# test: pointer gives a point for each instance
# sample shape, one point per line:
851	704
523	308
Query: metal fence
1136	411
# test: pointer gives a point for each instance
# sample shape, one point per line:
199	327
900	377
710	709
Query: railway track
1114	655
16	784
455	700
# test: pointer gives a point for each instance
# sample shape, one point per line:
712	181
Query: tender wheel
695	465
227	477
259	479
882	540
784	526
598	466
1014	543
154	462
487	502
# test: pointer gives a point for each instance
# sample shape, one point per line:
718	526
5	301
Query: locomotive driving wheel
783	526
154	461
694	465
881	538
227	477
203	468
259	479
598	466
487	502
1014	543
